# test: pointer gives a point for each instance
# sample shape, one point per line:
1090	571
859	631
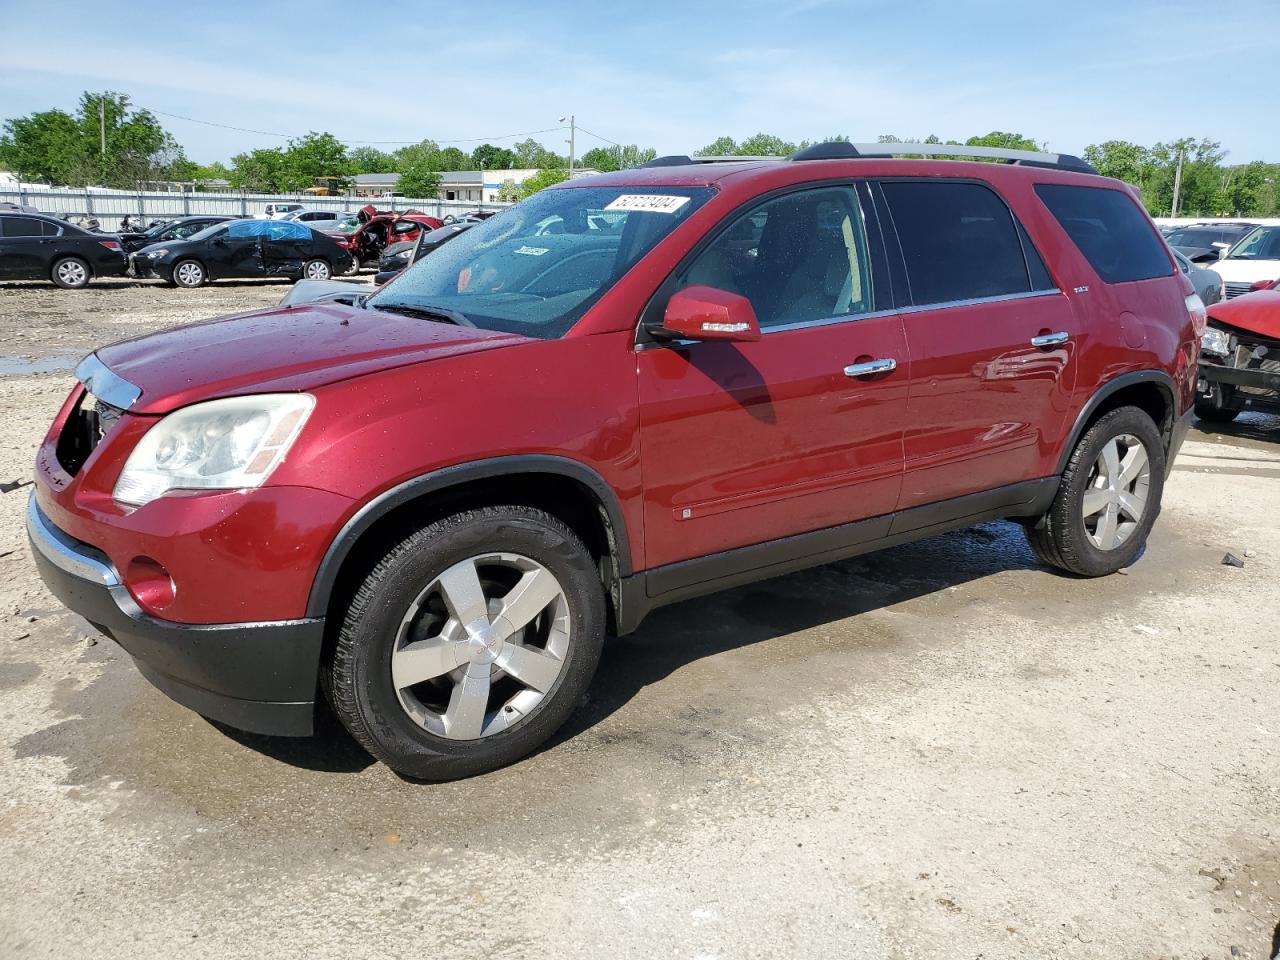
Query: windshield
1263	243
344	225
510	273
1193	237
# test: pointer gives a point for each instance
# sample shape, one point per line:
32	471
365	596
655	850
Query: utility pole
572	134
102	122
1177	185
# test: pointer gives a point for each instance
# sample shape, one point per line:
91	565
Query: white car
1255	258
278	211
319	219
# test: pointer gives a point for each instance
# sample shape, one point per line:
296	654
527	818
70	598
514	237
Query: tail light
110	244
1265	284
1199	316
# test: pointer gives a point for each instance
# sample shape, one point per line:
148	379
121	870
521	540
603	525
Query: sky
670	75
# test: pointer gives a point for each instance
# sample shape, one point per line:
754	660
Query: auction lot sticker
648	203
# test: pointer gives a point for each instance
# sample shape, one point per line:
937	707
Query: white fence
111	206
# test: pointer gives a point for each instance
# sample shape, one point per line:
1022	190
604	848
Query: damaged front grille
90	421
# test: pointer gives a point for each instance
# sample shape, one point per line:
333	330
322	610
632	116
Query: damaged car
366	235
1240	358
243	248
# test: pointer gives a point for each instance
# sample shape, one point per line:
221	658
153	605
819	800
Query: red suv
433	504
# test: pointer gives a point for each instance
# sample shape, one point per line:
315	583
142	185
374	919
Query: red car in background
369	232
1240	356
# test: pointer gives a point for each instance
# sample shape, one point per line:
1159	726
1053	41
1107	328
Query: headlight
153	254
1216	342
226	444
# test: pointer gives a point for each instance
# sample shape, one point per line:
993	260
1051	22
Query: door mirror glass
707	313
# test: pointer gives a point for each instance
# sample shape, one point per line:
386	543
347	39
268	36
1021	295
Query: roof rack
839	150
842	150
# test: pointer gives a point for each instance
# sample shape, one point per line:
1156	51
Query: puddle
28	366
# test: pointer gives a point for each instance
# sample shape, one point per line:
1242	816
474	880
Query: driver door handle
870	368
1050	339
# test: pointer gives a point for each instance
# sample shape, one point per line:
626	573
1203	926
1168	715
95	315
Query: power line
598	137
289	136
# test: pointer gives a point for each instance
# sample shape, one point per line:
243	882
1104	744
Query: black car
164	230
44	248
398	256
1202	242
243	248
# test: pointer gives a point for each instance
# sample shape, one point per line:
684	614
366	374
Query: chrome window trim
919	308
106	385
61	550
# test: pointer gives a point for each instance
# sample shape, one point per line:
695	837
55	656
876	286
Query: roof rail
680	160
840	150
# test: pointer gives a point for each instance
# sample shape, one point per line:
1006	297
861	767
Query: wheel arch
1152	391
565	488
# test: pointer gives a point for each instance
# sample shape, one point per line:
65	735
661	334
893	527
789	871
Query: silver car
1207	282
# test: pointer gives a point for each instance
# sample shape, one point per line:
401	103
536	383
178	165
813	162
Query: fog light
149	584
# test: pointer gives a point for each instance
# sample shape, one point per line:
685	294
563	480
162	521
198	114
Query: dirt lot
937	751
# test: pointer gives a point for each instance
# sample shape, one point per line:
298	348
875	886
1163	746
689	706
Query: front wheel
189	273
469	643
1108	499
355	265
317	270
1214	408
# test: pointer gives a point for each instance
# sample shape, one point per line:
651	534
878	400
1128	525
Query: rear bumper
259	677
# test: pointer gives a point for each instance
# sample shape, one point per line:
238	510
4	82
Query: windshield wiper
440	314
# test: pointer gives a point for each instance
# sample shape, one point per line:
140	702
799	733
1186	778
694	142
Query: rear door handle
1050	339
870	368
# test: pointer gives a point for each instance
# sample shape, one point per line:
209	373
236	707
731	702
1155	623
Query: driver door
748	442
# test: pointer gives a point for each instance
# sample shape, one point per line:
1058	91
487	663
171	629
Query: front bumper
259	677
1240	376
144	268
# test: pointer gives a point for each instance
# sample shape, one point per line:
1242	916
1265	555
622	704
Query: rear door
993	341
24	254
744	443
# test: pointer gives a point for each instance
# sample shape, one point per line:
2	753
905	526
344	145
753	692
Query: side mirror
708	313
219	241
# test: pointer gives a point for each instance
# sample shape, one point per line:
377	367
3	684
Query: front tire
189	274
469	643
355	265
1108	499
70	273
316	269
1214	408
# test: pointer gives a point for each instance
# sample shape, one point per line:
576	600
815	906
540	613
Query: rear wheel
469	643
317	270
70	273
1108	499
189	273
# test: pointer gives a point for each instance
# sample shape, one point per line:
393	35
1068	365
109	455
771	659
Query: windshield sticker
648	203
533	251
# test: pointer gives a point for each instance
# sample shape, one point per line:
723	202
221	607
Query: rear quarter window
1108	228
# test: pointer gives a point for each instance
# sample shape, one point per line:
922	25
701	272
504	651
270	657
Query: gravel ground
938	751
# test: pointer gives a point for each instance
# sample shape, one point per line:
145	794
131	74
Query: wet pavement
941	750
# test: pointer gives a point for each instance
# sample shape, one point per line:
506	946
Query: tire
70	273
418	716
189	274
317	269
1065	536
355	265
1214	408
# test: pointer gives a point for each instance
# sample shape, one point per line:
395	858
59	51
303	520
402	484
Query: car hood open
1257	312
281	350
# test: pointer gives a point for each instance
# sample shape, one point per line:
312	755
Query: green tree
451	158
314	156
370	160
1120	159
530	154
258	171
719	147
766	145
544	178
419	177
1008	141
599	158
608	159
488	157
38	148
510	191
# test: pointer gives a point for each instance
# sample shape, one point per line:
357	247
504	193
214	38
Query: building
477	186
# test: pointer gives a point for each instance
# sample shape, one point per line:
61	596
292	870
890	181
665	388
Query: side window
406	226
798	257
1113	234
21	227
244	228
50	229
1040	279
959	240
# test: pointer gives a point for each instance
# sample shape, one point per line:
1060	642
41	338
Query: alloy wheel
317	270
72	273
1115	496
481	646
190	274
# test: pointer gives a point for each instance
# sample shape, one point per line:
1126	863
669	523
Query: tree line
107	142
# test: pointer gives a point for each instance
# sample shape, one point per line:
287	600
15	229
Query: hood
1257	312
173	246
285	349
1241	269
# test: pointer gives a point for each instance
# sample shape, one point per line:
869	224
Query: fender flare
1158	377
327	572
